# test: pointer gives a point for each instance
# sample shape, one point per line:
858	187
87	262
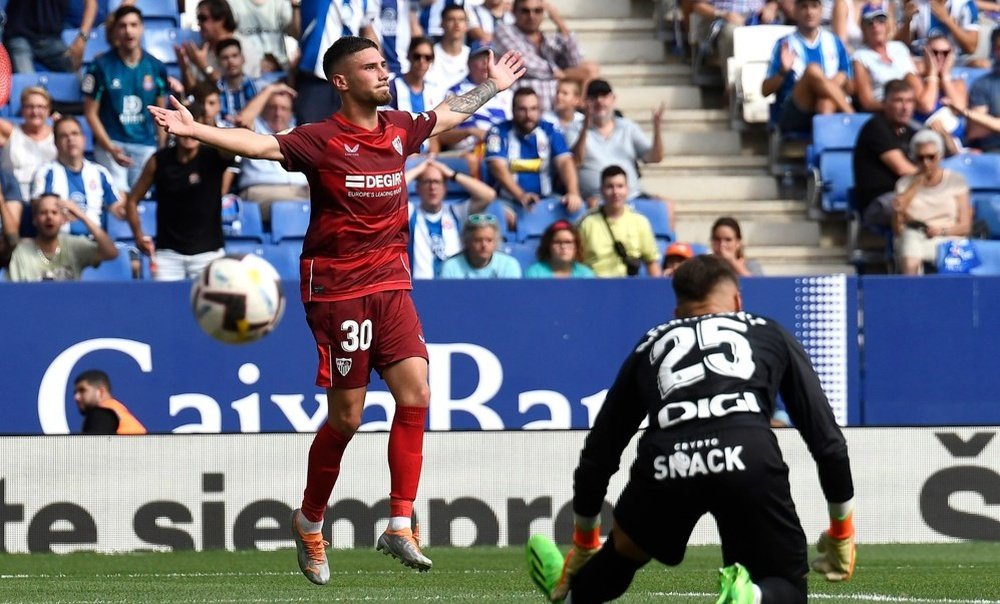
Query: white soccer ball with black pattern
238	299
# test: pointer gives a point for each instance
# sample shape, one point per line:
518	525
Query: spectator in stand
809	72
52	255
29	144
931	206
198	63
616	239
470	135
549	56
430	16
486	17
323	23
983	113
236	88
524	155
941	88
727	243
604	139
731	14
261	27
479	258
33	34
189	186
77	180
9	225
412	92
261	180
117	88
880	61
451	53
102	414
209	97
675	254
846	20
560	254
880	154
397	26
565	111
435	227
956	19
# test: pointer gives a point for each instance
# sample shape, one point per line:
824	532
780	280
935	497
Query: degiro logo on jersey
373	181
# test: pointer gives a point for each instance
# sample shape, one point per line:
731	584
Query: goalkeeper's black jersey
706	372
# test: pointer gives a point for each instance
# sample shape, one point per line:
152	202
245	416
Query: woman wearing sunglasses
931	206
559	254
941	88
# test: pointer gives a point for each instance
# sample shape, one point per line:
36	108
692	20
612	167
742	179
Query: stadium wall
181	492
505	355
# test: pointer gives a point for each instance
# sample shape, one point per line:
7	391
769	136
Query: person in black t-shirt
880	157
188	179
707	382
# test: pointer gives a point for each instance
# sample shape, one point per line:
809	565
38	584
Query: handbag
632	264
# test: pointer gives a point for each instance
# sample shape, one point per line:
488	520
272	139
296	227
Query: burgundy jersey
358	228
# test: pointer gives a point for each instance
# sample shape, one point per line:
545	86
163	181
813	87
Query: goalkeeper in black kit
707	381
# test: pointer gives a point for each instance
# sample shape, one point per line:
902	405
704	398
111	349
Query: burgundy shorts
357	335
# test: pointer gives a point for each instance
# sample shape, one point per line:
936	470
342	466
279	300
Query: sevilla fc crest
343	366
397	144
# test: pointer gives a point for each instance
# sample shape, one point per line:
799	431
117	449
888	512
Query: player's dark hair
220	11
612	170
343	48
894	86
224	44
123	11
696	277
94	377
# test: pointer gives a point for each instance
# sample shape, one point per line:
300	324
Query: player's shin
324	467
605	576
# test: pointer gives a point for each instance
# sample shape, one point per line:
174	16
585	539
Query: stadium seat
986	208
522	251
497	208
119	269
969	74
989	257
270	77
245	223
63	87
532	222
245	247
160	38
981	170
655	211
829	159
746	71
119	230
153	11
289	220
284	257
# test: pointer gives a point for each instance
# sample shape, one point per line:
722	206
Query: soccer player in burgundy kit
355	278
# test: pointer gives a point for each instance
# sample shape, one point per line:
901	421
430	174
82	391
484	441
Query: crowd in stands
545	180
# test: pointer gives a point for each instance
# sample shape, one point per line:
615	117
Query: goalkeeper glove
586	543
837	557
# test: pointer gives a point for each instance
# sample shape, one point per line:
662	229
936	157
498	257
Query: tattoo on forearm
473	99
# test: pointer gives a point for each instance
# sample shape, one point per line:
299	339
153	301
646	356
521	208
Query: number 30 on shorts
357	336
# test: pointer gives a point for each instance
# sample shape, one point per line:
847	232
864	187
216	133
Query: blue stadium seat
284	257
829	159
522	251
989	256
533	222
245	247
74	14
119	230
245	223
270	77
119	269
655	211
289	220
153	11
986	207
969	74
64	88
981	170
160	38
497	208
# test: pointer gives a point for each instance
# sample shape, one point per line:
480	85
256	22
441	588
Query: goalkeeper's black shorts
736	474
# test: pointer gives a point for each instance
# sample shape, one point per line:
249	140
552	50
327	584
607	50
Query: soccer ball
238	299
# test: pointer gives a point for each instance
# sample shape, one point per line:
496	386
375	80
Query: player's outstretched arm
238	141
501	75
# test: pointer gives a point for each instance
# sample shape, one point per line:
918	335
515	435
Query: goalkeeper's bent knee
605	577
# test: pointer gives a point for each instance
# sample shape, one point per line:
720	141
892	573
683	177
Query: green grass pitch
946	574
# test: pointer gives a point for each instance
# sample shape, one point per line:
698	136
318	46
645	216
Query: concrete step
778	210
639	100
756	232
678	144
632	48
645	74
609	9
747	187
686	162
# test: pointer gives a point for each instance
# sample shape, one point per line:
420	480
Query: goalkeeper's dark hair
341	49
94	377
696	278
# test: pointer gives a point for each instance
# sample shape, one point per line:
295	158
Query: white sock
307	526
398	523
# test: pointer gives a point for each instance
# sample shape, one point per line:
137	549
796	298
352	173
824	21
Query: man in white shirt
451	54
